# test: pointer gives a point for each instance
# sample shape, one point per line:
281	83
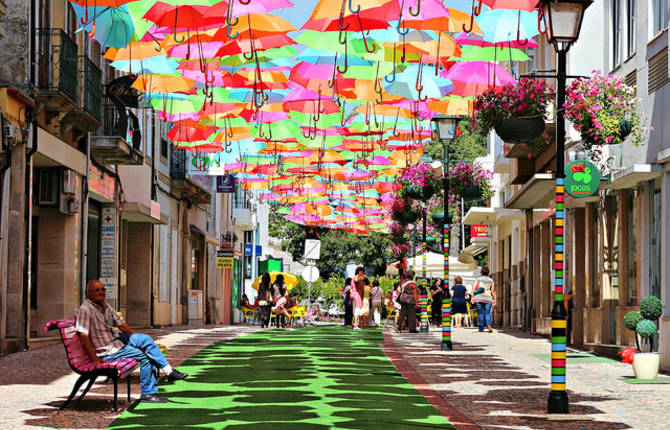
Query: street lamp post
563	20
445	128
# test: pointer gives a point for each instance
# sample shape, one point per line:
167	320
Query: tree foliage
337	247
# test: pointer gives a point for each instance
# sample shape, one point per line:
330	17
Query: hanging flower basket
521	129
470	181
418	182
516	112
404	211
472	192
605	111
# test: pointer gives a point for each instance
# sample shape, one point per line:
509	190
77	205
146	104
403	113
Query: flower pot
413	192
406	217
645	365
521	130
471	192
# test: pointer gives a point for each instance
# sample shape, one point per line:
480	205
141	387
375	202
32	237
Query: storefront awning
629	177
533	191
480	215
138	212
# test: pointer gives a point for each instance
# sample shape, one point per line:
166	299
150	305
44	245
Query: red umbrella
176	16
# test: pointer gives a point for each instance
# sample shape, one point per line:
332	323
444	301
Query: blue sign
248	249
225	184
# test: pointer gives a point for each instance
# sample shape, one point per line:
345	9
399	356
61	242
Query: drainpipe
27	272
84	222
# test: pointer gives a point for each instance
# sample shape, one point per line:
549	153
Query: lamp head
563	20
445	126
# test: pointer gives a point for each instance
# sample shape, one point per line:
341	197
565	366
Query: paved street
489	381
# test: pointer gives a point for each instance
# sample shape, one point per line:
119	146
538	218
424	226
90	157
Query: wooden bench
81	363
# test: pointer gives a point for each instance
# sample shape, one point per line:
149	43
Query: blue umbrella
502	25
113	25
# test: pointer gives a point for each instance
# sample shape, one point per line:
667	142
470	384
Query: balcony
56	72
88	113
180	182
108	143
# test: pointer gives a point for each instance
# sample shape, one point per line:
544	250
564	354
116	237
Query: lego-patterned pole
558	397
446	344
424	280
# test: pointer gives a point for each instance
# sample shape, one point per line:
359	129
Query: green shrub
646	329
631	319
651	308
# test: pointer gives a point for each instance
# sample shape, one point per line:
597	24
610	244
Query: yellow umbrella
289	280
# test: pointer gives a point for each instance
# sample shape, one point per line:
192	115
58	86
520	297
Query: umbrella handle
418	9
158	44
85	20
540	21
230	35
354	11
476	10
518	32
386	78
340	21
331	82
176	14
243	2
346	59
365	40
229	14
228	149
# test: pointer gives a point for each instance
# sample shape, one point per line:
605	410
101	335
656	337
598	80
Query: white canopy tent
435	268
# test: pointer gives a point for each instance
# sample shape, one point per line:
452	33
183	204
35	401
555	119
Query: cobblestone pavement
489	381
33	384
497	381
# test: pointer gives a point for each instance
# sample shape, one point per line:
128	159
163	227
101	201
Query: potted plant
604	110
470	181
517	112
643	358
404	210
418	182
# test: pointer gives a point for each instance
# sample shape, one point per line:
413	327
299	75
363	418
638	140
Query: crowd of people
365	303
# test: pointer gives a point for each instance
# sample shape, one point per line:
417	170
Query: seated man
95	322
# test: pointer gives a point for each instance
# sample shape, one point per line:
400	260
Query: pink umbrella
476	40
525	5
471	78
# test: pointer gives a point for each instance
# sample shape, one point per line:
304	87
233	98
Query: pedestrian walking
348	305
483	292
409	297
265	299
376	294
280	297
458	301
97	322
357	293
436	303
365	313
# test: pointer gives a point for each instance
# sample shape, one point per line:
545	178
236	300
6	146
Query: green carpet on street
309	378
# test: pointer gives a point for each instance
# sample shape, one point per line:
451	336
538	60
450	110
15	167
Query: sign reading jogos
582	178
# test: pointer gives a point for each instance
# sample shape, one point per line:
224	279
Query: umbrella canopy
290	280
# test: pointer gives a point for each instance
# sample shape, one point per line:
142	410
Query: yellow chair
248	314
390	315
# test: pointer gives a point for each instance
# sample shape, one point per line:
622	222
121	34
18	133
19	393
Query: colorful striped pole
446	300
424	286
558	402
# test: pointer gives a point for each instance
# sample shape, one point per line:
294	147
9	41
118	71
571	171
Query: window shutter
658	71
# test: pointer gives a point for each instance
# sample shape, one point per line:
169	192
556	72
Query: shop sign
108	251
121	89
478	230
248	250
224	258
582	178
225	184
205	163
101	184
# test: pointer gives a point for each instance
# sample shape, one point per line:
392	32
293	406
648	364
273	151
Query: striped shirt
487	284
99	326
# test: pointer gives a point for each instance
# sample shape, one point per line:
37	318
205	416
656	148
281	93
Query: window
631	252
659	15
617	33
164	148
631	7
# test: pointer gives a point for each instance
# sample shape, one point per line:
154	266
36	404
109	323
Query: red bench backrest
77	356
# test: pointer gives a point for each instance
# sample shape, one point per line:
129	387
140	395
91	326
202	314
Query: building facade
92	188
616	241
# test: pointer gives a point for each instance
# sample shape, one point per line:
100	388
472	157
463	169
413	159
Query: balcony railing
57	63
178	164
90	77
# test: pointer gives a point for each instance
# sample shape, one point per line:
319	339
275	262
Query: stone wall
14	62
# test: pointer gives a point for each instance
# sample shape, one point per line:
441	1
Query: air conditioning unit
69	181
47	193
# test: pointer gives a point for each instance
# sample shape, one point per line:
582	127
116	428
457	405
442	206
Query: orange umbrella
164	84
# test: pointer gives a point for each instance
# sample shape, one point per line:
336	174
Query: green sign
582	178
